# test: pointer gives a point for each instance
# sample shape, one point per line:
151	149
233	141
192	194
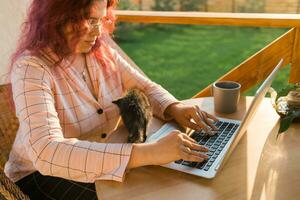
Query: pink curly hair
44	25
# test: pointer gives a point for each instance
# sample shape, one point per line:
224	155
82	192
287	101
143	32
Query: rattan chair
8	128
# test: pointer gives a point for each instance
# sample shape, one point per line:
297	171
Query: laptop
223	142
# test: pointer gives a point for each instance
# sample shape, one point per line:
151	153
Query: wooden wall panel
295	68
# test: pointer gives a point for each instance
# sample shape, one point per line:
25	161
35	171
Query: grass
184	59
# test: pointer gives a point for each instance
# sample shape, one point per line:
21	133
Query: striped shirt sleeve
48	150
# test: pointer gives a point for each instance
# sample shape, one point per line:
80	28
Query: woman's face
93	25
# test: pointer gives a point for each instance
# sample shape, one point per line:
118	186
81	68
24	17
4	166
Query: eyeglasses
94	23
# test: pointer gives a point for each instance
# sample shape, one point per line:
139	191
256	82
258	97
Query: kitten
136	113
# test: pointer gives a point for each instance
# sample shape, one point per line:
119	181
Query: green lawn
185	58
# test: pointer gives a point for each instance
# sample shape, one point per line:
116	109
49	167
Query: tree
164	5
253	6
127	5
193	5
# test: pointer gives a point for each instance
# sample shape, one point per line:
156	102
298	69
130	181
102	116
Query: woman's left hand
191	116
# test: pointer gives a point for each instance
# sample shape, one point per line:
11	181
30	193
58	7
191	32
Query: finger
206	118
186	137
197	118
208	121
207	115
195	153
194	146
190	157
203	115
212	117
194	126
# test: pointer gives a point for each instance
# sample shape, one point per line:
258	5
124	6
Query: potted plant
287	104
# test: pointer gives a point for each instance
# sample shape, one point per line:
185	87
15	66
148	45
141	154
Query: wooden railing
254	69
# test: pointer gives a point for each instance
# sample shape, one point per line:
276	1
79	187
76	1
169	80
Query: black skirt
39	187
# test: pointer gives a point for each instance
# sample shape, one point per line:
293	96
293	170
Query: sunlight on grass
184	59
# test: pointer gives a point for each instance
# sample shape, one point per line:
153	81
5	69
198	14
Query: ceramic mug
226	96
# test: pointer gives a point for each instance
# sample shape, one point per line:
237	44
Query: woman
64	78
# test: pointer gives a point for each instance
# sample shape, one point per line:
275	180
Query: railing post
295	64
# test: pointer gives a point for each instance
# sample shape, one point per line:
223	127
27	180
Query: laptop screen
260	94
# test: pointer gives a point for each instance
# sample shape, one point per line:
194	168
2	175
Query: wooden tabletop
260	167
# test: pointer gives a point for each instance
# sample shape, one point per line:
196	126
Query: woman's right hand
176	146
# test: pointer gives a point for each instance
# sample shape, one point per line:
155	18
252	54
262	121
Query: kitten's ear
117	102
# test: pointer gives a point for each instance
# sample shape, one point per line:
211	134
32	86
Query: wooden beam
257	67
208	18
295	67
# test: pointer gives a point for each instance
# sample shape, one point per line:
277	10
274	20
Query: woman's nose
96	31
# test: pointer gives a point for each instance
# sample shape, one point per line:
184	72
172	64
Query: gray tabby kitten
136	113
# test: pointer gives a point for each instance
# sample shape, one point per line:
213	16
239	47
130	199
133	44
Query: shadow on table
277	174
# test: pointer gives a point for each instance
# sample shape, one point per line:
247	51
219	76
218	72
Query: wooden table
260	167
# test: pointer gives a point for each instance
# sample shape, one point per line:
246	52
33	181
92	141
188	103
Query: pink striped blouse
56	110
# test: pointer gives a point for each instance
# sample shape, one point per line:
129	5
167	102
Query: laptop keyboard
215	144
